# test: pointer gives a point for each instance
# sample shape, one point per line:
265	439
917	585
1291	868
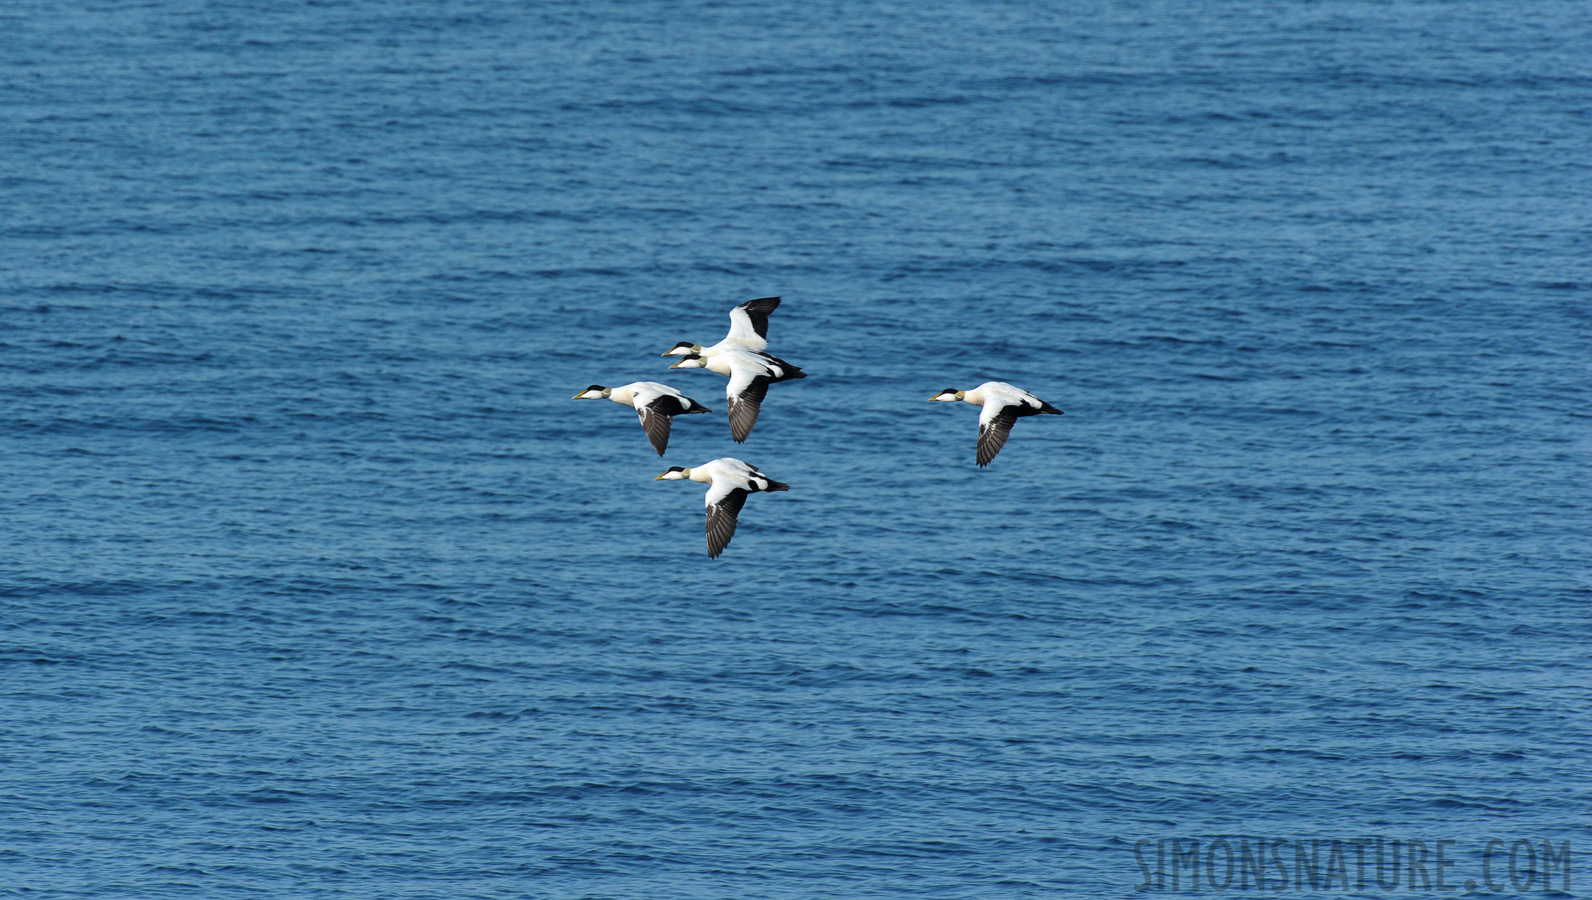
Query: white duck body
655	404
750	374
748	331
1002	405
730	481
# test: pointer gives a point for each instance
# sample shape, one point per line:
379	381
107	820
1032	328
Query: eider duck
748	331
750	375
656	404
731	481
1003	404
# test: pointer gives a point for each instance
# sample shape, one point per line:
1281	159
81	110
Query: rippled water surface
315	582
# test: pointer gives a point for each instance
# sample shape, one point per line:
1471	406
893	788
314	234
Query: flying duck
750	375
731	481
748	331
656	404
1003	404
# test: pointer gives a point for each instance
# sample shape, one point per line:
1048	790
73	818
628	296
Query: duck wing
723	515
749	322
994	425
656	418
744	407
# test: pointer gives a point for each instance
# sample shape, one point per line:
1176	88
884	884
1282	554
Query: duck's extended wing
724	510
994	425
746	391
656	417
749	322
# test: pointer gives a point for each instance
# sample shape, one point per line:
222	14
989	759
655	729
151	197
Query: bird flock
742	358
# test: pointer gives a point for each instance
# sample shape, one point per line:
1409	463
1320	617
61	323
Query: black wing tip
713	552
985	457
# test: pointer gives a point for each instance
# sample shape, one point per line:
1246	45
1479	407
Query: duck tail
1046	409
777	486
790	371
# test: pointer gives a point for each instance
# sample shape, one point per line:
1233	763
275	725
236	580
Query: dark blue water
315	582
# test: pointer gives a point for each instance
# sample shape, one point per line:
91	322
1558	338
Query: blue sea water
316	583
